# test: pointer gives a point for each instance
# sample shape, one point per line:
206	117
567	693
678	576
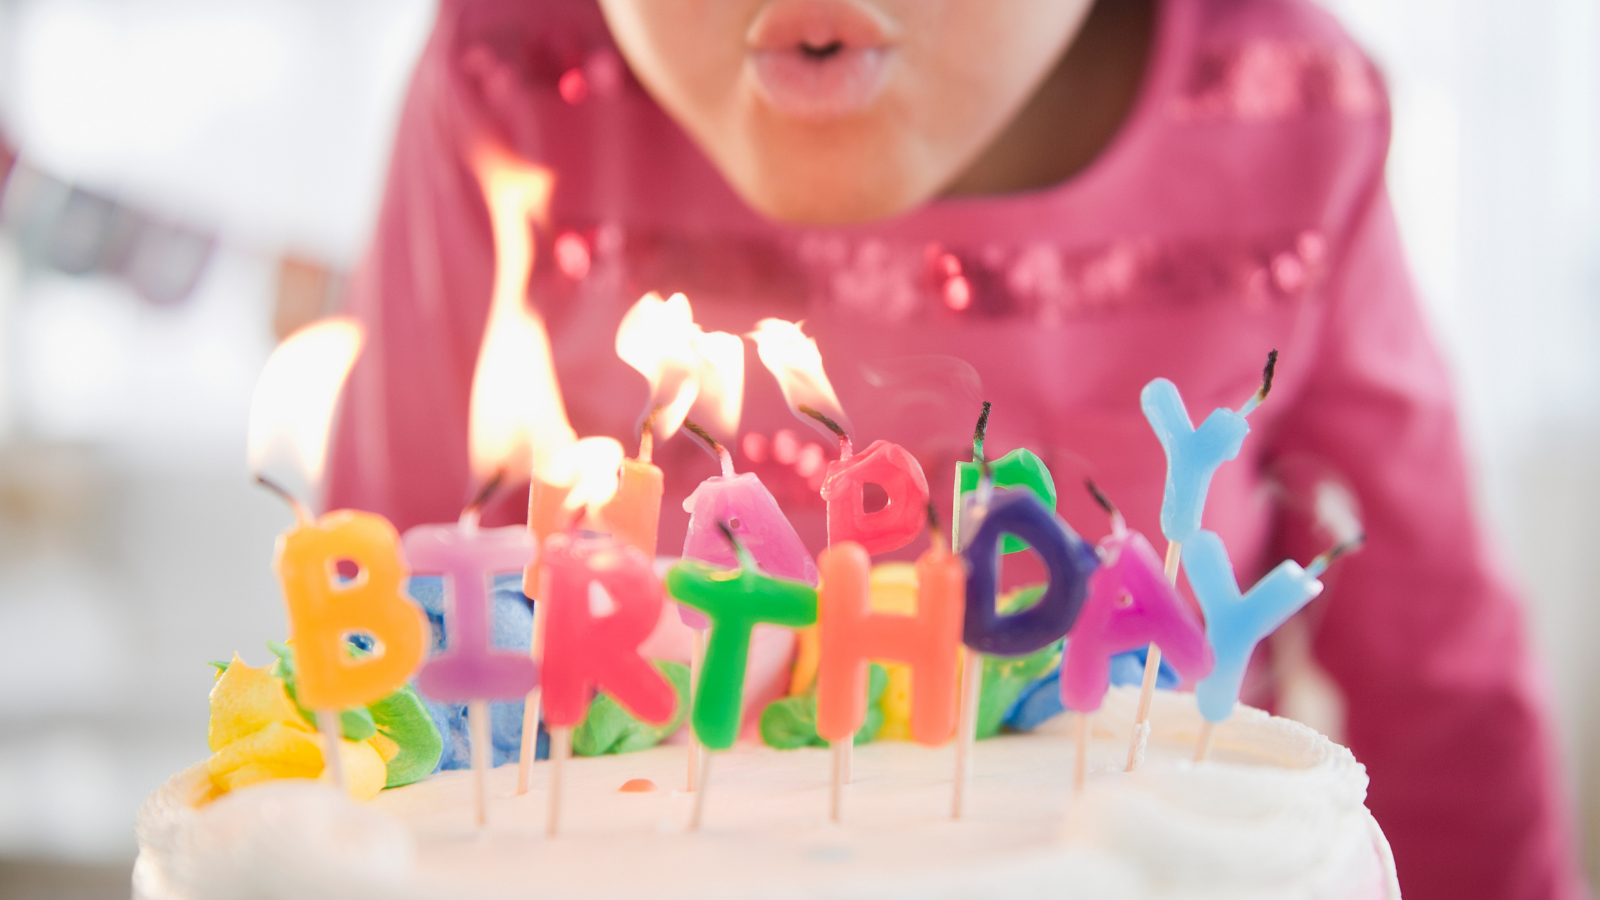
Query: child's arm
1422	629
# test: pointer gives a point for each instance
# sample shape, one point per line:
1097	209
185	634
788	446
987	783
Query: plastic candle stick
735	600
1067	559
851	635
325	608
603	601
468	557
1131	604
844	486
1234	623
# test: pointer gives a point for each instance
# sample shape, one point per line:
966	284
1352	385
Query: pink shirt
1240	208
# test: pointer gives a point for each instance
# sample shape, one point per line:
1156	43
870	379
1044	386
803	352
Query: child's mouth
818	59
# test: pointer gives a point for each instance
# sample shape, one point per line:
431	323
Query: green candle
734	600
1021	468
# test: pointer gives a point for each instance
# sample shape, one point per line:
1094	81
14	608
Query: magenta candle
748	509
1131	604
468	557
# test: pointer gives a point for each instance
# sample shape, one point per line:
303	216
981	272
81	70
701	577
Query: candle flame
793	358
296	396
517	418
588	468
690	371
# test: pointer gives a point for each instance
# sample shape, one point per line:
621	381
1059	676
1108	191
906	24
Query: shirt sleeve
1422	629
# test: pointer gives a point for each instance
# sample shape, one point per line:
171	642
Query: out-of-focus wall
1495	171
132	547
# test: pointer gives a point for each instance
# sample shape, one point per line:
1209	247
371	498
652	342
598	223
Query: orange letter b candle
325	609
851	635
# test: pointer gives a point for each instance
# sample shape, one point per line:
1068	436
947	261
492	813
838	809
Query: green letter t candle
734	600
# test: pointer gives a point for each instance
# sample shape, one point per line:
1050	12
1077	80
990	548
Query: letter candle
469	670
327	607
1068	561
1236	624
734	600
740	503
603	601
844	488
688	370
1193	456
851	635
342	574
1131	604
1019	468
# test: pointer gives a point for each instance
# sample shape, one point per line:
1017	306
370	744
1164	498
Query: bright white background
131	547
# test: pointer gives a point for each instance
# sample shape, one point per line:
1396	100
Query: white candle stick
1152	668
332	733
560	749
478	730
697	659
704	780
531	707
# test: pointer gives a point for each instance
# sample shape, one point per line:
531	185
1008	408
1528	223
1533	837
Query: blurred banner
82	231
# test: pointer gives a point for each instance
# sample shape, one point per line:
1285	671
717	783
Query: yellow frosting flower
257	734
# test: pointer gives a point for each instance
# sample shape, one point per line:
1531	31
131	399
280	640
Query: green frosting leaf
608	727
402	717
357	724
791	722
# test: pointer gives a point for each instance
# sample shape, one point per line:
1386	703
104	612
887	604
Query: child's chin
832	190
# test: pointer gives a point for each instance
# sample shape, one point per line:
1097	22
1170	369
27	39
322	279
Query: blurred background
193	176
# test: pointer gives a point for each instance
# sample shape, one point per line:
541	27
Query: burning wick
844	439
300	511
715	447
647	437
469	516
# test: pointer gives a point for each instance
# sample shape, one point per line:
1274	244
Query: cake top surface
1277	811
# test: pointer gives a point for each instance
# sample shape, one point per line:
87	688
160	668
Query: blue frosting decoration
511	628
1041	700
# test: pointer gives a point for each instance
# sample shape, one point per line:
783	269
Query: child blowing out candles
1073	198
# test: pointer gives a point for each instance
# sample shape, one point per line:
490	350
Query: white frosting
1276	812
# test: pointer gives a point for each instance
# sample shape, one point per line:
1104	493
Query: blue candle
1068	560
1234	623
1193	454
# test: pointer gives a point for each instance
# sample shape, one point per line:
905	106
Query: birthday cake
1276	812
901	737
